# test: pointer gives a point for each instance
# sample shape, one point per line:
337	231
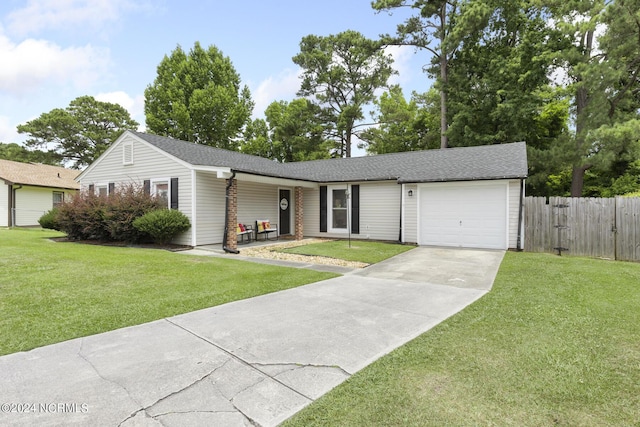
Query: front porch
248	202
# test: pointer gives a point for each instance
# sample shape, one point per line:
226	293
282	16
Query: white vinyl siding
257	201
410	211
150	164
514	212
311	214
379	212
210	202
185	204
33	202
4	204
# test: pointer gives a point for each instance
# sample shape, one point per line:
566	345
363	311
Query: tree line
564	76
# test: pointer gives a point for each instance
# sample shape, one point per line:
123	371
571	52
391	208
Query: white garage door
468	215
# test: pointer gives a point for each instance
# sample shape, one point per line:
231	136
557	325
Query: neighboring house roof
501	161
38	175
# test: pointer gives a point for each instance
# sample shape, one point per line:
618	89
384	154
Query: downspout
349	206
9	202
226	217
520	219
401	206
12	204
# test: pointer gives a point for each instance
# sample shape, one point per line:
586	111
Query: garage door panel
463	215
443	236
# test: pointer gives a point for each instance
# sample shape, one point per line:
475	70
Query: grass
555	343
52	291
361	251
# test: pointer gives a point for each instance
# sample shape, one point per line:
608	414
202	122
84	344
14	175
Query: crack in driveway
296	366
234	356
173	393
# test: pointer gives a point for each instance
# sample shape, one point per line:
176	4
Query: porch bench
244	230
264	226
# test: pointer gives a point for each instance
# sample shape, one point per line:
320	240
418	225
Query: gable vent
127	153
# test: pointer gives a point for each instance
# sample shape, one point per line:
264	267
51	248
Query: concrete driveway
251	362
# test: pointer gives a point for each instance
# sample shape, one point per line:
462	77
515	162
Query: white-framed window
161	188
102	189
127	153
58	198
338	203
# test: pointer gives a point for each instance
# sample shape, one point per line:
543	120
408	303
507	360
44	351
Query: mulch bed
168	247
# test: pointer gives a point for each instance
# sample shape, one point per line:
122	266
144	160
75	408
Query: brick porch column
299	226
232	215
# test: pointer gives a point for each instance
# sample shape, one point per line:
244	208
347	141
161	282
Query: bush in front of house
82	217
126	205
50	220
163	224
88	216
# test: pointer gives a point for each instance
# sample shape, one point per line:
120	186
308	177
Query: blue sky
52	51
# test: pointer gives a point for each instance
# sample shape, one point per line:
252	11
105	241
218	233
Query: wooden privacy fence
596	227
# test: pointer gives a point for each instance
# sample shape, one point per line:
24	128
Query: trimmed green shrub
163	224
50	220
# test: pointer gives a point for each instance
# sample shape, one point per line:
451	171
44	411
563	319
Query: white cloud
282	87
31	63
134	105
40	15
8	132
402	57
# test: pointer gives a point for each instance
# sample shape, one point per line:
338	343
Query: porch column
299	226
232	215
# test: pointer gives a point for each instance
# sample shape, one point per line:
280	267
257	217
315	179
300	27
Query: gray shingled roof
500	161
203	155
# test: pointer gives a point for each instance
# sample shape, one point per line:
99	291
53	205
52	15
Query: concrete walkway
251	362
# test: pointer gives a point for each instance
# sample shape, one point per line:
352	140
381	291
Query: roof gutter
469	179
61	187
226	217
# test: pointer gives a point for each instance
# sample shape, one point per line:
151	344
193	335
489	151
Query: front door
285	212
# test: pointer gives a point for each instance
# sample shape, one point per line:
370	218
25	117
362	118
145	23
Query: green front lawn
555	343
359	250
53	291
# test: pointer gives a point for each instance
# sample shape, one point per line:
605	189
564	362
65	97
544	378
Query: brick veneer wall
299	224
232	219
